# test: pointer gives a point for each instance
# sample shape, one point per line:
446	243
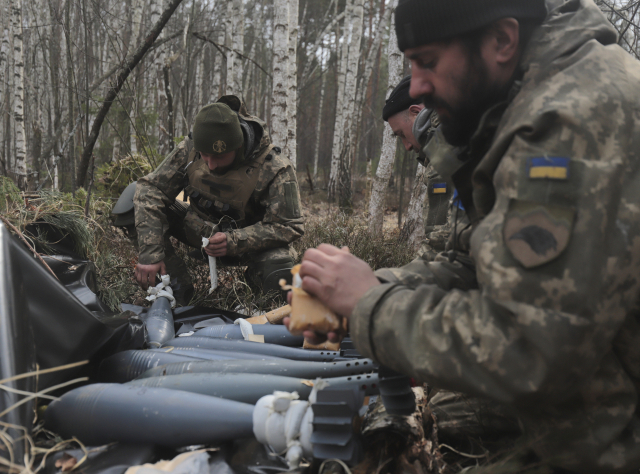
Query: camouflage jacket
552	185
274	218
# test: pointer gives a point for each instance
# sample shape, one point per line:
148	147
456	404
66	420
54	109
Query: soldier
414	124
244	198
547	104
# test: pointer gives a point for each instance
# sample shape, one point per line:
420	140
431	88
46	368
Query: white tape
213	271
162	289
246	328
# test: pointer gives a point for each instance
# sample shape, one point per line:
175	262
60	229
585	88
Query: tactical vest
222	198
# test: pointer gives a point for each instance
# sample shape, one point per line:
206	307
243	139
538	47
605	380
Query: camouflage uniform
439	209
551	184
271	218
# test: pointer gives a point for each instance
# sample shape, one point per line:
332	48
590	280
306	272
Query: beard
477	94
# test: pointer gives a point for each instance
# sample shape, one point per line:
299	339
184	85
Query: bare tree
279	122
18	96
129	65
387	156
292	83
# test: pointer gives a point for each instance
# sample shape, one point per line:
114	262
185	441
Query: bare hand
146	274
336	277
217	245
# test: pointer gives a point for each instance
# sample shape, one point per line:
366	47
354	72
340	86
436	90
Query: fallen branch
19	234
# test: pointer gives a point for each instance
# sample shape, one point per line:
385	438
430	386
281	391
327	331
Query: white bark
18	95
155	10
319	128
136	24
338	124
413	228
279	123
228	42
383	26
219	61
388	153
292	94
238	46
351	78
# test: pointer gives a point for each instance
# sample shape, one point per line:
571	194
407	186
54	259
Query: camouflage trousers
264	268
469	422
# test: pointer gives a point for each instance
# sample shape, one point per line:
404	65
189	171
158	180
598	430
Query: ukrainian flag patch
554	167
439	188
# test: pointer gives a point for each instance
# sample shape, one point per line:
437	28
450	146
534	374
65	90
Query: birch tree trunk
279	123
387	155
413	228
292	94
338	124
219	59
155	8
316	152
228	42
351	80
238	47
18	95
136	24
5	80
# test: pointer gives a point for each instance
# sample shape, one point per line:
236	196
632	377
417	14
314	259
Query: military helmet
217	130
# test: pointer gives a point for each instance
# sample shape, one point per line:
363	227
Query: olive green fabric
217	130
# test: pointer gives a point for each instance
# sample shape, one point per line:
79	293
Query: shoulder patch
439	188
537	233
554	167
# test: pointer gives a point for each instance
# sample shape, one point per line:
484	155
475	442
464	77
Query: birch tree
316	151
279	122
337	127
18	95
351	81
136	24
387	155
238	48
292	80
413	228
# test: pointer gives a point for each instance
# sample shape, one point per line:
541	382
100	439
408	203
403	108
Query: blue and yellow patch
439	188
554	167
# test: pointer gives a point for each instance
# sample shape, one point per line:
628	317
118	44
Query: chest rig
222	198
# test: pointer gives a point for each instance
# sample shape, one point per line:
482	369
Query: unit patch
537	233
555	167
439	188
219	147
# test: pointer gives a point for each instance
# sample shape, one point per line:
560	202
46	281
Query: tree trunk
220	60
413	229
238	47
129	65
351	80
319	127
18	96
136	24
338	124
292	94
387	155
279	123
228	42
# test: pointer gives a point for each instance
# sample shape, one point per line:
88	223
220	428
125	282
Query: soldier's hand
146	274
217	245
336	277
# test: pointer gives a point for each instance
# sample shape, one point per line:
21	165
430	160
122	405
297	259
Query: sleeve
546	310
282	222
153	193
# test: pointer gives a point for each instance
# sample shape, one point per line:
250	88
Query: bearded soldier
546	103
244	199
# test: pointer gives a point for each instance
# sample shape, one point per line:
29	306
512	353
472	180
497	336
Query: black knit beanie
399	100
419	22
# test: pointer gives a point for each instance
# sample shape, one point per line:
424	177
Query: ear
505	40
415	110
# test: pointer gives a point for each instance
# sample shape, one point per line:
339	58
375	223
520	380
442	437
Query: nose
420	84
407	145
